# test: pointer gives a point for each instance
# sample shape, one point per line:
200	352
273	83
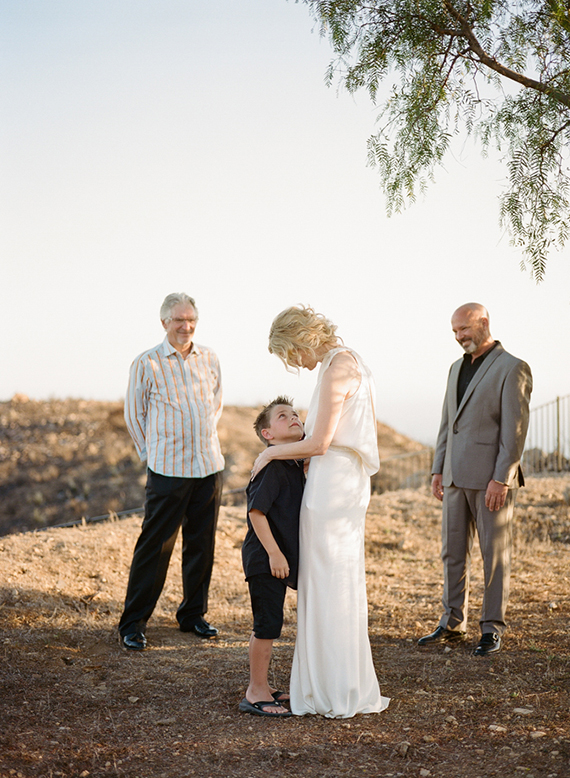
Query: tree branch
492	63
555	134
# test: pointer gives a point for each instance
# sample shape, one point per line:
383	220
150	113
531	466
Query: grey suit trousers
464	512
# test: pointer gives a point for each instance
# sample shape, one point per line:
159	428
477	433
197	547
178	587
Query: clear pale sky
152	146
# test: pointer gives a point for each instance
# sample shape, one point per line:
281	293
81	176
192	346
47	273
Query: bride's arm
340	380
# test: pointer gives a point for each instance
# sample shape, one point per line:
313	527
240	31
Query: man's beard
471	347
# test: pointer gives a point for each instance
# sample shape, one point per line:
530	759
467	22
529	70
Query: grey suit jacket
483	438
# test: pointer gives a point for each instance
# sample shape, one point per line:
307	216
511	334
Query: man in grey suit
476	473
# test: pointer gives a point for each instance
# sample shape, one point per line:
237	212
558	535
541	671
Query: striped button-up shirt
172	410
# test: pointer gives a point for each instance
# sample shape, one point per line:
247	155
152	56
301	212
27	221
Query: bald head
474	308
470	324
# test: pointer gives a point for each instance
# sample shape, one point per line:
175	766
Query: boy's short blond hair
263	420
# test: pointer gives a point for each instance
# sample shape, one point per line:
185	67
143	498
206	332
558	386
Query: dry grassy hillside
64	459
72	705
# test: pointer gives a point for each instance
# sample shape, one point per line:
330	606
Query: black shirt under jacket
468	370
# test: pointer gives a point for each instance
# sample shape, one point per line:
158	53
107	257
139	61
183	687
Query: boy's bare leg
259	659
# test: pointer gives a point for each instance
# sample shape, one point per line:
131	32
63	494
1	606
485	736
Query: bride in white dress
333	673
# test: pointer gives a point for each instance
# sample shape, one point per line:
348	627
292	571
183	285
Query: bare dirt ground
72	705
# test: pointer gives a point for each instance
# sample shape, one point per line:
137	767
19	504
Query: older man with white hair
172	407
476	473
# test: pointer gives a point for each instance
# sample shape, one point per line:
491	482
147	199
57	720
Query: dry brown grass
72	704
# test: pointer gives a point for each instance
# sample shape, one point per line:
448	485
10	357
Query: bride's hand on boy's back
262	461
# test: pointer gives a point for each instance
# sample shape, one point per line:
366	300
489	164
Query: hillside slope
64	459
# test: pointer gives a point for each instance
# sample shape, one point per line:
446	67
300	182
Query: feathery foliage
500	69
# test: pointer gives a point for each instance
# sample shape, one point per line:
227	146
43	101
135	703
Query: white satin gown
333	672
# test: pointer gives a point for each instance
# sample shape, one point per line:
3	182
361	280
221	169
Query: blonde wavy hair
298	329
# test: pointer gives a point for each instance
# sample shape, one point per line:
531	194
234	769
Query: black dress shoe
136	641
490	643
200	628
442	635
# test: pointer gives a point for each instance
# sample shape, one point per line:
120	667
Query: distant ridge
64	459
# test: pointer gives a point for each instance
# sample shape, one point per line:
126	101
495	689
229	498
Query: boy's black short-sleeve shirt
276	491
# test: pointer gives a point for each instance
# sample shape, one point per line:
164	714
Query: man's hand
437	486
495	495
279	565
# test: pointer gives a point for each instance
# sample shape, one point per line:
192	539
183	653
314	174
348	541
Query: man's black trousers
171	502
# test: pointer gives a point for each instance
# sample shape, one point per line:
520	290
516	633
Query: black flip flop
278	696
257	708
